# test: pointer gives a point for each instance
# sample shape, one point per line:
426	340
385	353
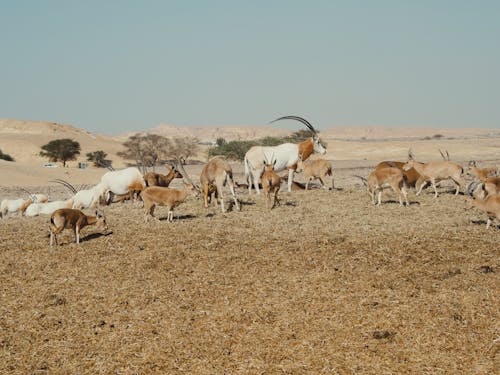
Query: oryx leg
290	179
231	188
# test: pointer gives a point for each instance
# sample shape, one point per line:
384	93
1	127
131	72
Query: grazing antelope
216	174
11	206
436	171
157	179
490	205
48	208
315	169
159	196
125	181
383	178
271	182
285	155
68	218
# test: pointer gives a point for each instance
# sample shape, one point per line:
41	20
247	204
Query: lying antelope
216	174
157	179
68	218
48	208
271	182
383	178
315	169
11	206
490	205
159	196
436	171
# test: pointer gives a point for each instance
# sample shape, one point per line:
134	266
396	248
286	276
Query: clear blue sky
115	66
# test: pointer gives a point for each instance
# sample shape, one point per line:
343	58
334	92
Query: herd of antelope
261	165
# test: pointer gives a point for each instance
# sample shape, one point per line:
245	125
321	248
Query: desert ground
324	283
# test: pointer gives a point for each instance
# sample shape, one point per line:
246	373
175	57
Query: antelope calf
159	196
436	171
215	175
69	218
271	182
480	173
315	169
383	178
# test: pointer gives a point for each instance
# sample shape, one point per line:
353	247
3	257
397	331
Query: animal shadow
92	236
178	217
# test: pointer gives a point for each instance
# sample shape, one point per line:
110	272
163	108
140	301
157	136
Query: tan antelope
412	177
384	178
490	205
271	182
160	196
481	174
315	169
436	171
490	186
69	218
157	179
216	174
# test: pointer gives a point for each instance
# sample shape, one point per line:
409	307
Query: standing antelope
271	182
217	173
159	196
490	205
412	177
285	155
125	181
436	171
480	173
68	218
383	178
315	169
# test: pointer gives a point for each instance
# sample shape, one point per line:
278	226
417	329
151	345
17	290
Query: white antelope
68	218
285	155
11	206
216	174
48	208
383	178
160	196
316	169
125	181
436	171
271	182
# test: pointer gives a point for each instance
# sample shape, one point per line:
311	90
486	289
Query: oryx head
318	146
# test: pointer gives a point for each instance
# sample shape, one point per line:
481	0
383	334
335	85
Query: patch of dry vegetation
325	283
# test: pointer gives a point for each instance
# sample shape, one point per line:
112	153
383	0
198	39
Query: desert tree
99	159
182	148
63	150
146	149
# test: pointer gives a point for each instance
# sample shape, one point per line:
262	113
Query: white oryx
282	156
125	181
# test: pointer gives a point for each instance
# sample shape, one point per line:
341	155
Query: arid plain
324	283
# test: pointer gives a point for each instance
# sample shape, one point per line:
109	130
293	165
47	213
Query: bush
6	157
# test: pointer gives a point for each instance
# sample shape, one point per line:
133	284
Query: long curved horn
363	179
300	119
185	176
26	191
66	184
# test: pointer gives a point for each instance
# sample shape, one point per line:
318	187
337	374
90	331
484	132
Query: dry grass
325	283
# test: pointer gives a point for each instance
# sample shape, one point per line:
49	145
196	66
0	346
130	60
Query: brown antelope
436	171
315	169
69	218
383	178
490	205
480	174
490	186
271	182
157	179
412	177
159	196
215	175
